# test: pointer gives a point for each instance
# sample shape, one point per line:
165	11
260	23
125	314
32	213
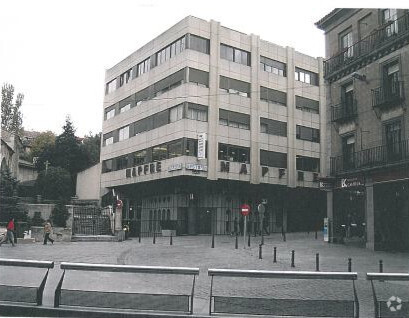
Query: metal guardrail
23	289
380	306
340	305
141	298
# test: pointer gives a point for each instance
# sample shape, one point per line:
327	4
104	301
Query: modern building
204	118
367	81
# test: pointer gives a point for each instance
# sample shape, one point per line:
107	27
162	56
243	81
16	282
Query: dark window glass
199	77
307	133
198	43
273	159
272	95
234	119
175	148
235	55
306	104
273	66
139	158
107	165
273	127
235	86
159	152
191	147
306	76
234	153
308	164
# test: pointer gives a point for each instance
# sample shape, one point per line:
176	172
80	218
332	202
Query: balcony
344	112
371	158
375	45
385	97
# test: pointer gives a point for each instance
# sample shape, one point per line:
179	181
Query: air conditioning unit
315	177
281	172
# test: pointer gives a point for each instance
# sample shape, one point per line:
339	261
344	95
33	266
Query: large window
160	152
306	76
234	86
272	66
143	67
273	159
308	163
346	47
235	55
125	108
234	119
390	17
393	138
125	77
176	113
139	157
307	105
110	113
273	127
199	44
171	50
234	153
196	112
273	96
391	80
109	141
307	133
124	133
199	77
110	87
348	151
175	148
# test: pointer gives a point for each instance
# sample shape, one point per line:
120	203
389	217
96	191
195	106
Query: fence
91	220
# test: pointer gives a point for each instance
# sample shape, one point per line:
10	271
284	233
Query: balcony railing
371	158
344	111
387	96
378	38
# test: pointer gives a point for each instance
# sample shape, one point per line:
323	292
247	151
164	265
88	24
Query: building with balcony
367	85
203	119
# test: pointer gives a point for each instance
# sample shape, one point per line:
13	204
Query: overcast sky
56	52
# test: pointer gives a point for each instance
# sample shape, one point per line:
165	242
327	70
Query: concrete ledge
25	240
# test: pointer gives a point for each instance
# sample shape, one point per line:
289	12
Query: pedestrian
236	230
9	234
47	233
265	225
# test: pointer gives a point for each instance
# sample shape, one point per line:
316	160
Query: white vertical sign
201	146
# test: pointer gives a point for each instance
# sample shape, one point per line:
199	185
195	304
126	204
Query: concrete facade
88	183
366	77
248	91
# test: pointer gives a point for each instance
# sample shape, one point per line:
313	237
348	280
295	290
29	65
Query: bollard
236	246
248	242
139	237
171	240
260	251
275	255
284	238
262	239
317	262
349	264
212	240
380	266
316	234
292	258
154	238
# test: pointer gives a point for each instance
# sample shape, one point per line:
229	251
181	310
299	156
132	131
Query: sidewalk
196	251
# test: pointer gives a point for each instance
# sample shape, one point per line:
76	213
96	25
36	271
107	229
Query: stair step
94	238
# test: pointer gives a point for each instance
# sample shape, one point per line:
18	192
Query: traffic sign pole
245	230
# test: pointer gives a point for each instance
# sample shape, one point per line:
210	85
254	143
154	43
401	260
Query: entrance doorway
204	221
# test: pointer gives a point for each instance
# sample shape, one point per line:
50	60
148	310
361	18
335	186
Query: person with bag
47	233
9	234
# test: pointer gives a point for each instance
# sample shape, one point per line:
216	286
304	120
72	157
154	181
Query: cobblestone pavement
196	251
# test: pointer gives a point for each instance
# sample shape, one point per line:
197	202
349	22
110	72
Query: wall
88	183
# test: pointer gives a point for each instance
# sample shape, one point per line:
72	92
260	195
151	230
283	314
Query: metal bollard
236	246
275	255
380	266
260	251
349	264
154	238
139	237
284	238
292	258
212	240
317	262
248	241
171	240
316	234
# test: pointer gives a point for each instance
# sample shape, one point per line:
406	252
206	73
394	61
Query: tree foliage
41	142
11	117
9	200
54	184
59	215
91	147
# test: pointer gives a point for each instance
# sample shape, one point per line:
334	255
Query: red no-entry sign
245	209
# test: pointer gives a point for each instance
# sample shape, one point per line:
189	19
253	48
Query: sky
56	52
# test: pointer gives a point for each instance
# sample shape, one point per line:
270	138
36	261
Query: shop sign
352	182
176	166
144	169
326	184
196	167
201	146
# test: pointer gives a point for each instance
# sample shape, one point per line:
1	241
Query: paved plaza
196	251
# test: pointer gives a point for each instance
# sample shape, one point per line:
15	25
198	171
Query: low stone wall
44	209
59	234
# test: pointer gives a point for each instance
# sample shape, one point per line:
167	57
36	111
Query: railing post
171	239
236	246
139	239
380	266
260	251
212	240
275	255
154	238
317	262
349	264
292	258
248	241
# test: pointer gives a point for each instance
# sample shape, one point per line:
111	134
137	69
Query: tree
60	215
41	142
54	184
11	117
90	148
9	200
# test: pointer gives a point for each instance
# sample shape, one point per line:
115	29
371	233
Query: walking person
9	234
47	232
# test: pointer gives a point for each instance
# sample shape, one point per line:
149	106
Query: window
176	113
346	43
110	87
121	162
159	152
235	55
110	113
390	16
348	151
107	166
124	133
273	96
308	164
273	127
199	77
125	108
234	119
307	133
391	80
234	86
175	148
109	141
347	98
125	77
306	76
196	112
139	158
234	153
272	66
171	50
190	147
143	67
273	159
393	138
199	44
307	105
